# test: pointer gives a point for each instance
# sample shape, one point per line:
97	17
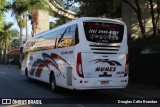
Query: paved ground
144	90
13	85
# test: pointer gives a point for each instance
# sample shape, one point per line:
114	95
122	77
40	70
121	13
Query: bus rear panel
103	60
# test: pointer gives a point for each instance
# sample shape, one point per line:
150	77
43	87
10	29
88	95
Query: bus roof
75	21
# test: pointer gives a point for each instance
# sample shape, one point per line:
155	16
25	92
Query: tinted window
103	32
67	36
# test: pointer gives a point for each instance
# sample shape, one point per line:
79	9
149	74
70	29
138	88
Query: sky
9	18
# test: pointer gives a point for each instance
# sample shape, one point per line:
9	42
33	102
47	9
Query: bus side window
68	37
74	35
62	34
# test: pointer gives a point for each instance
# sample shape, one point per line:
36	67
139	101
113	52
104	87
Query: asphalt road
13	85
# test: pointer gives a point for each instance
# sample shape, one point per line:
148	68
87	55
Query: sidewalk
144	90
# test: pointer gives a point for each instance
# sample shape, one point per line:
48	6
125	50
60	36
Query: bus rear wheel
26	74
53	85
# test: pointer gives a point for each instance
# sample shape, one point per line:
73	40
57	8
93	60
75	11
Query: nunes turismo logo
110	62
6	101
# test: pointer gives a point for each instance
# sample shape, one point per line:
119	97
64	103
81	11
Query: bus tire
26	74
53	85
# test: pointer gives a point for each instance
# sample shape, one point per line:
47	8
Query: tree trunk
137	9
21	30
6	54
2	56
21	41
34	21
139	17
153	18
26	26
157	17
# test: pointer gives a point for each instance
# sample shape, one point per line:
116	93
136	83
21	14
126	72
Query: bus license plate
104	82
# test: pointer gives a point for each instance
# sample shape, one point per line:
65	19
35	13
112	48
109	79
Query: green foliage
39	4
15	43
6	35
1	20
3	4
52	25
104	8
21	6
18	8
61	20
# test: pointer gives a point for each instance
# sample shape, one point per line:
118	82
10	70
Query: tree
152	15
112	9
137	8
138	11
52	25
103	8
158	13
3	5
18	8
6	35
154	19
34	6
21	6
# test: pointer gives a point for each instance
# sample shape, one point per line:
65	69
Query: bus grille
104	49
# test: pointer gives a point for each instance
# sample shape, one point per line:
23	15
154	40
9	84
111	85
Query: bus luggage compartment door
69	76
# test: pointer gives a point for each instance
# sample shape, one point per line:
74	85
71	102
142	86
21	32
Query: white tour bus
87	53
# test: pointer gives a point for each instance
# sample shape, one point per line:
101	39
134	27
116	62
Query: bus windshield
103	32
